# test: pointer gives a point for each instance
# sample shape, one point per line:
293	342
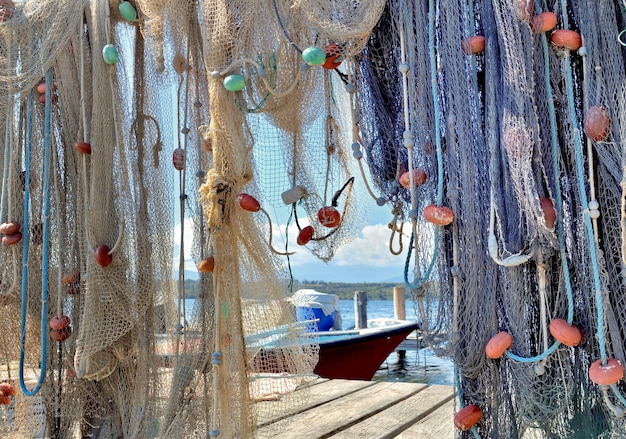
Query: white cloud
371	248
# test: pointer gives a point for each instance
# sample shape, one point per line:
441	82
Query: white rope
492	243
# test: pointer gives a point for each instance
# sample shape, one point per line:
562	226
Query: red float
549	213
83	147
328	216
8	389
249	203
178	158
103	258
59	322
305	235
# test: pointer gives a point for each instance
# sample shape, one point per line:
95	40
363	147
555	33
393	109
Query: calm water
418	366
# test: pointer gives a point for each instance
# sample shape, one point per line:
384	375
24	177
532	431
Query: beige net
118	129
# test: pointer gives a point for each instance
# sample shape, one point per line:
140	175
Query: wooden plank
437	425
388	423
307	397
322	421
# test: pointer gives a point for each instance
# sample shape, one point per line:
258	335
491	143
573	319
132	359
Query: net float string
25	238
408	141
181	167
357	140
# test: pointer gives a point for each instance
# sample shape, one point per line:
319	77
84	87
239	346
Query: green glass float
314	56
128	11
109	53
234	82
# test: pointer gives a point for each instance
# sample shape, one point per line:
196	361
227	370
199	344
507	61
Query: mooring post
360	309
399	309
399	313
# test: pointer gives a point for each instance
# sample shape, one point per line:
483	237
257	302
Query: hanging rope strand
46	232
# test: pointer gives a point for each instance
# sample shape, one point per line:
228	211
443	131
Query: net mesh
188	105
498	132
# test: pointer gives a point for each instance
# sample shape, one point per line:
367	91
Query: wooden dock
344	409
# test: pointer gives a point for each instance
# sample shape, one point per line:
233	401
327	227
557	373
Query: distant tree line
375	291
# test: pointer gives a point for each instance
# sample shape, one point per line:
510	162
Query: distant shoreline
345	291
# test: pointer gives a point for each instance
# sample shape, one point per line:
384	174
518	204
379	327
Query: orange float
467	417
419	177
473	45
59	322
567	39
10	228
567	334
597	123
544	22
61	334
7	389
333	52
439	215
4	399
549	213
498	344
12	239
206	265
83	147
608	374
70	277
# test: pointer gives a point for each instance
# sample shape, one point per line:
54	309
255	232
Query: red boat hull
359	358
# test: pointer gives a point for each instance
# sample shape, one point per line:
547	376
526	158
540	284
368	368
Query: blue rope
25	238
431	265
536	358
583	199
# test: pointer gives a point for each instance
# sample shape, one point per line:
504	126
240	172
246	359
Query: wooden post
399	310
399	313
360	309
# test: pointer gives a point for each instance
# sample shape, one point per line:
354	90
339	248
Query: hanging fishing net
125	126
513	110
492	132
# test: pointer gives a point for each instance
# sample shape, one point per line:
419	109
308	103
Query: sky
365	259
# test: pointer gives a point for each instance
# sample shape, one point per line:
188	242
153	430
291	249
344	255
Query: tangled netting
122	130
492	130
519	125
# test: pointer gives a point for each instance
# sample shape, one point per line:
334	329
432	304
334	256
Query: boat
358	354
354	354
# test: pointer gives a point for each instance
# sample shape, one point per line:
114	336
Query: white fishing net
117	130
